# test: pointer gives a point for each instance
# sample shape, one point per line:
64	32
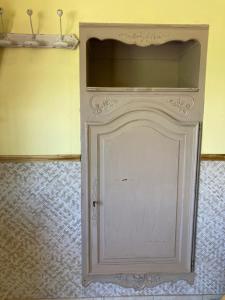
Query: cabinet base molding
139	281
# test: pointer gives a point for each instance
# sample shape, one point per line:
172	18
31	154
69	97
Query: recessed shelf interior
111	63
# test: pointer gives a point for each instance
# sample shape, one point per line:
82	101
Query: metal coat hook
60	14
30	13
61	43
33	42
3	38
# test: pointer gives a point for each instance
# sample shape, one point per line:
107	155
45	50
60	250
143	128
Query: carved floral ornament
143	38
141	281
101	105
182	104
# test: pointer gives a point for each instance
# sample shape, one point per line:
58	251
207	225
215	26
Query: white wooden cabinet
142	92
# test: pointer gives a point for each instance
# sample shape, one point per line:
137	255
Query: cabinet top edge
135	25
140	89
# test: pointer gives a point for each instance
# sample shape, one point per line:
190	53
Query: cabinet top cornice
150	26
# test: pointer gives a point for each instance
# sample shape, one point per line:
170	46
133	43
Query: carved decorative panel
106	103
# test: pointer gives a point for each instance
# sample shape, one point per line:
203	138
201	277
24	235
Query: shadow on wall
9	15
71	18
68	27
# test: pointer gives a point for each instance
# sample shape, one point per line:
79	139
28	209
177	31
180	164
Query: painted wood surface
140	157
141	220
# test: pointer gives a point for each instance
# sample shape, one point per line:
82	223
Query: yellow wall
39	89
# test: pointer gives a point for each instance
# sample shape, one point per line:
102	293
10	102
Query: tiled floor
40	236
180	297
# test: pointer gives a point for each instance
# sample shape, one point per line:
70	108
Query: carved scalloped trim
139	281
143	38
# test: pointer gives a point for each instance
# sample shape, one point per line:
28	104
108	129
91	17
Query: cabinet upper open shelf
172	65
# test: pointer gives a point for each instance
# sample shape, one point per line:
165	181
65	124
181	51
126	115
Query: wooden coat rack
17	40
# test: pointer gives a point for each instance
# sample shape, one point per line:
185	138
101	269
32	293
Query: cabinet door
142	169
